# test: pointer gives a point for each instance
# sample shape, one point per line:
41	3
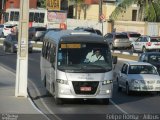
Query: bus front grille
85	87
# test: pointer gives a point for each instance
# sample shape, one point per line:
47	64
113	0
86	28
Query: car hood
143	77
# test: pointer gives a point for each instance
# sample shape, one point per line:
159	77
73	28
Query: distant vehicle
36	16
36	33
65	72
151	57
49	29
133	36
146	43
10	44
5	29
138	76
88	29
117	40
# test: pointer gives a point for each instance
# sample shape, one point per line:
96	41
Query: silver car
117	40
138	76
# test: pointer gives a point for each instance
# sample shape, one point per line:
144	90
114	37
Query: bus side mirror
114	58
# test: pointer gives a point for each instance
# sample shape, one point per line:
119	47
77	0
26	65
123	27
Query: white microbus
36	16
66	72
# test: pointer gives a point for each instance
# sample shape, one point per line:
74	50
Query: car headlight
105	82
134	81
62	81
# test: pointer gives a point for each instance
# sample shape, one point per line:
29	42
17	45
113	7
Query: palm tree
148	9
41	3
79	5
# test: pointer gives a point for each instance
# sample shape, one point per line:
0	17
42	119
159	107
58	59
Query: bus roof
72	35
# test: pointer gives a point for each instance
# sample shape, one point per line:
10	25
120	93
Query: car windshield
134	35
155	39
121	36
73	57
9	26
40	29
142	69
154	58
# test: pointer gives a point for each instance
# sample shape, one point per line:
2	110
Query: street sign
53	4
102	17
56	16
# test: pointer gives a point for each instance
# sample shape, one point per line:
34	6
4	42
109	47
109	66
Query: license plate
85	88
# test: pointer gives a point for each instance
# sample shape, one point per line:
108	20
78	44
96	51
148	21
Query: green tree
41	3
148	9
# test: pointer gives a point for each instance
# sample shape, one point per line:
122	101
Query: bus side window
31	17
36	17
52	55
12	16
44	49
48	51
6	16
41	17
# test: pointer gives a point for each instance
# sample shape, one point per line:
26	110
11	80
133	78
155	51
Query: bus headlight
62	81
105	82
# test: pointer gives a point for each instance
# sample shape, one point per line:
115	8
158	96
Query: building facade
5	4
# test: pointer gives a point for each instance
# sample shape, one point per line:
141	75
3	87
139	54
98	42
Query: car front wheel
132	48
144	50
128	92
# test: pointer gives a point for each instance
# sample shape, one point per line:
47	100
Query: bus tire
105	101
128	92
118	87
58	101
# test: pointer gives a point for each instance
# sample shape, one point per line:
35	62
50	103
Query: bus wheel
4	48
58	101
119	88
128	92
105	101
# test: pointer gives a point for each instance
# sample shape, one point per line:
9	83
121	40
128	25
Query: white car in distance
5	29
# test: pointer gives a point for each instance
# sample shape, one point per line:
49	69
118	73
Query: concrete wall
92	11
145	28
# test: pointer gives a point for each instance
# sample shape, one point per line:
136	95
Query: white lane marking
37	108
30	98
119	108
49	110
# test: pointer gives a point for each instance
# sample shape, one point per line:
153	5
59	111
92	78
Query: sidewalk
15	108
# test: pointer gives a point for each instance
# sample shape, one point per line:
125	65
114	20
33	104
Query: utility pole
100	9
2	16
100	13
22	54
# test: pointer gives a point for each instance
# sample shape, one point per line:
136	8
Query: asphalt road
80	109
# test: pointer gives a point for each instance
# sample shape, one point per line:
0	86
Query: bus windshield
84	57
